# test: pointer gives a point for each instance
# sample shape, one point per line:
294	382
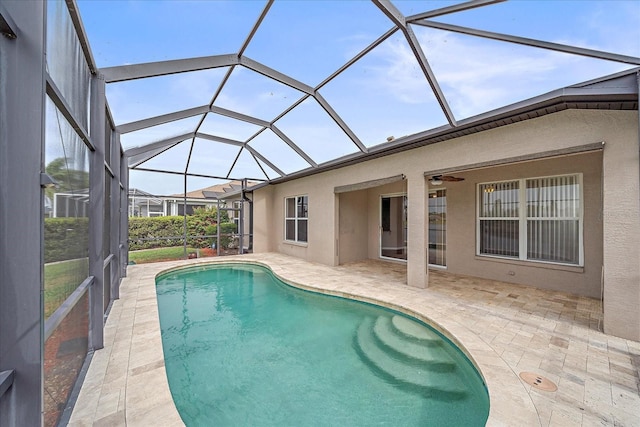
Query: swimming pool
243	348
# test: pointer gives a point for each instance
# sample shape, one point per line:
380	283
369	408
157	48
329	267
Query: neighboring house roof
217	191
144	196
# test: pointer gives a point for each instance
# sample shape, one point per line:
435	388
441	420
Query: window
235	215
296	218
537	219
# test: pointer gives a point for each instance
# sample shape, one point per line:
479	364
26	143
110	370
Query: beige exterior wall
462	227
353	223
616	242
263	220
621	214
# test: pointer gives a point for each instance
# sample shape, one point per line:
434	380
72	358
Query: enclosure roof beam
162	68
336	118
396	16
452	9
428	73
265	160
532	42
255	27
134	161
158	144
164	118
138	159
275	75
219	139
197	175
291	144
239	116
183	114
291	107
82	35
233	164
392	12
356	58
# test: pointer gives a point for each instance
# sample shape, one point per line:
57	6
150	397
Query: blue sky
383	94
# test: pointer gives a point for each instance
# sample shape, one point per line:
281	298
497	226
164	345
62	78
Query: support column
22	130
115	217
417	215
124	214
621	230
96	213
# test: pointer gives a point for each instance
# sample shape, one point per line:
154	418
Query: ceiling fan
439	179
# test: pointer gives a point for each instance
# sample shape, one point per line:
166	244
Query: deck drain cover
538	381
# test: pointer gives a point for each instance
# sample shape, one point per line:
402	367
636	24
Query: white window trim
522	221
295	219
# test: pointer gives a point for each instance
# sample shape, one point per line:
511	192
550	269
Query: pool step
415	331
420	376
427	352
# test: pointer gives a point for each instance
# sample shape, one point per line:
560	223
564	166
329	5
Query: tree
68	179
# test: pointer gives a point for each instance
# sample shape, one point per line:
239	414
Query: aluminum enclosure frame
400	22
25	87
22	67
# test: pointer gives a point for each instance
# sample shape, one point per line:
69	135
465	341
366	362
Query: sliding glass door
438	228
393	226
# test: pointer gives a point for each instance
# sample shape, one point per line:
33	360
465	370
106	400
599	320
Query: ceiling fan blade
451	178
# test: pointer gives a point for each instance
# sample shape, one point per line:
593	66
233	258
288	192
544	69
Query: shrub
65	238
210	215
163	227
167	231
227	230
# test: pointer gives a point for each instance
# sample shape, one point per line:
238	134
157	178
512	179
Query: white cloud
477	75
399	73
615	25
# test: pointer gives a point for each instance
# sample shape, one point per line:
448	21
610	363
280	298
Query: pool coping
144	397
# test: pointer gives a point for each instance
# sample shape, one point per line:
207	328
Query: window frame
431	191
235	214
296	219
523	218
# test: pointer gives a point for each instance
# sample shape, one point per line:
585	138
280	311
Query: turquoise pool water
242	348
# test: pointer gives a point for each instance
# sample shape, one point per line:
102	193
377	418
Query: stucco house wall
611	216
462	199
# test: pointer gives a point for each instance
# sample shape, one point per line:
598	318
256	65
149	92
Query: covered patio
506	329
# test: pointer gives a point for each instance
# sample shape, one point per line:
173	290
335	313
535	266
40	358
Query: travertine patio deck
505	329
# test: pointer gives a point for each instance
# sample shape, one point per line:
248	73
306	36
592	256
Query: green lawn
160	254
64	277
60	280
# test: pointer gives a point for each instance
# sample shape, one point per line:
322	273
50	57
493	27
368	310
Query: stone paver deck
505	329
